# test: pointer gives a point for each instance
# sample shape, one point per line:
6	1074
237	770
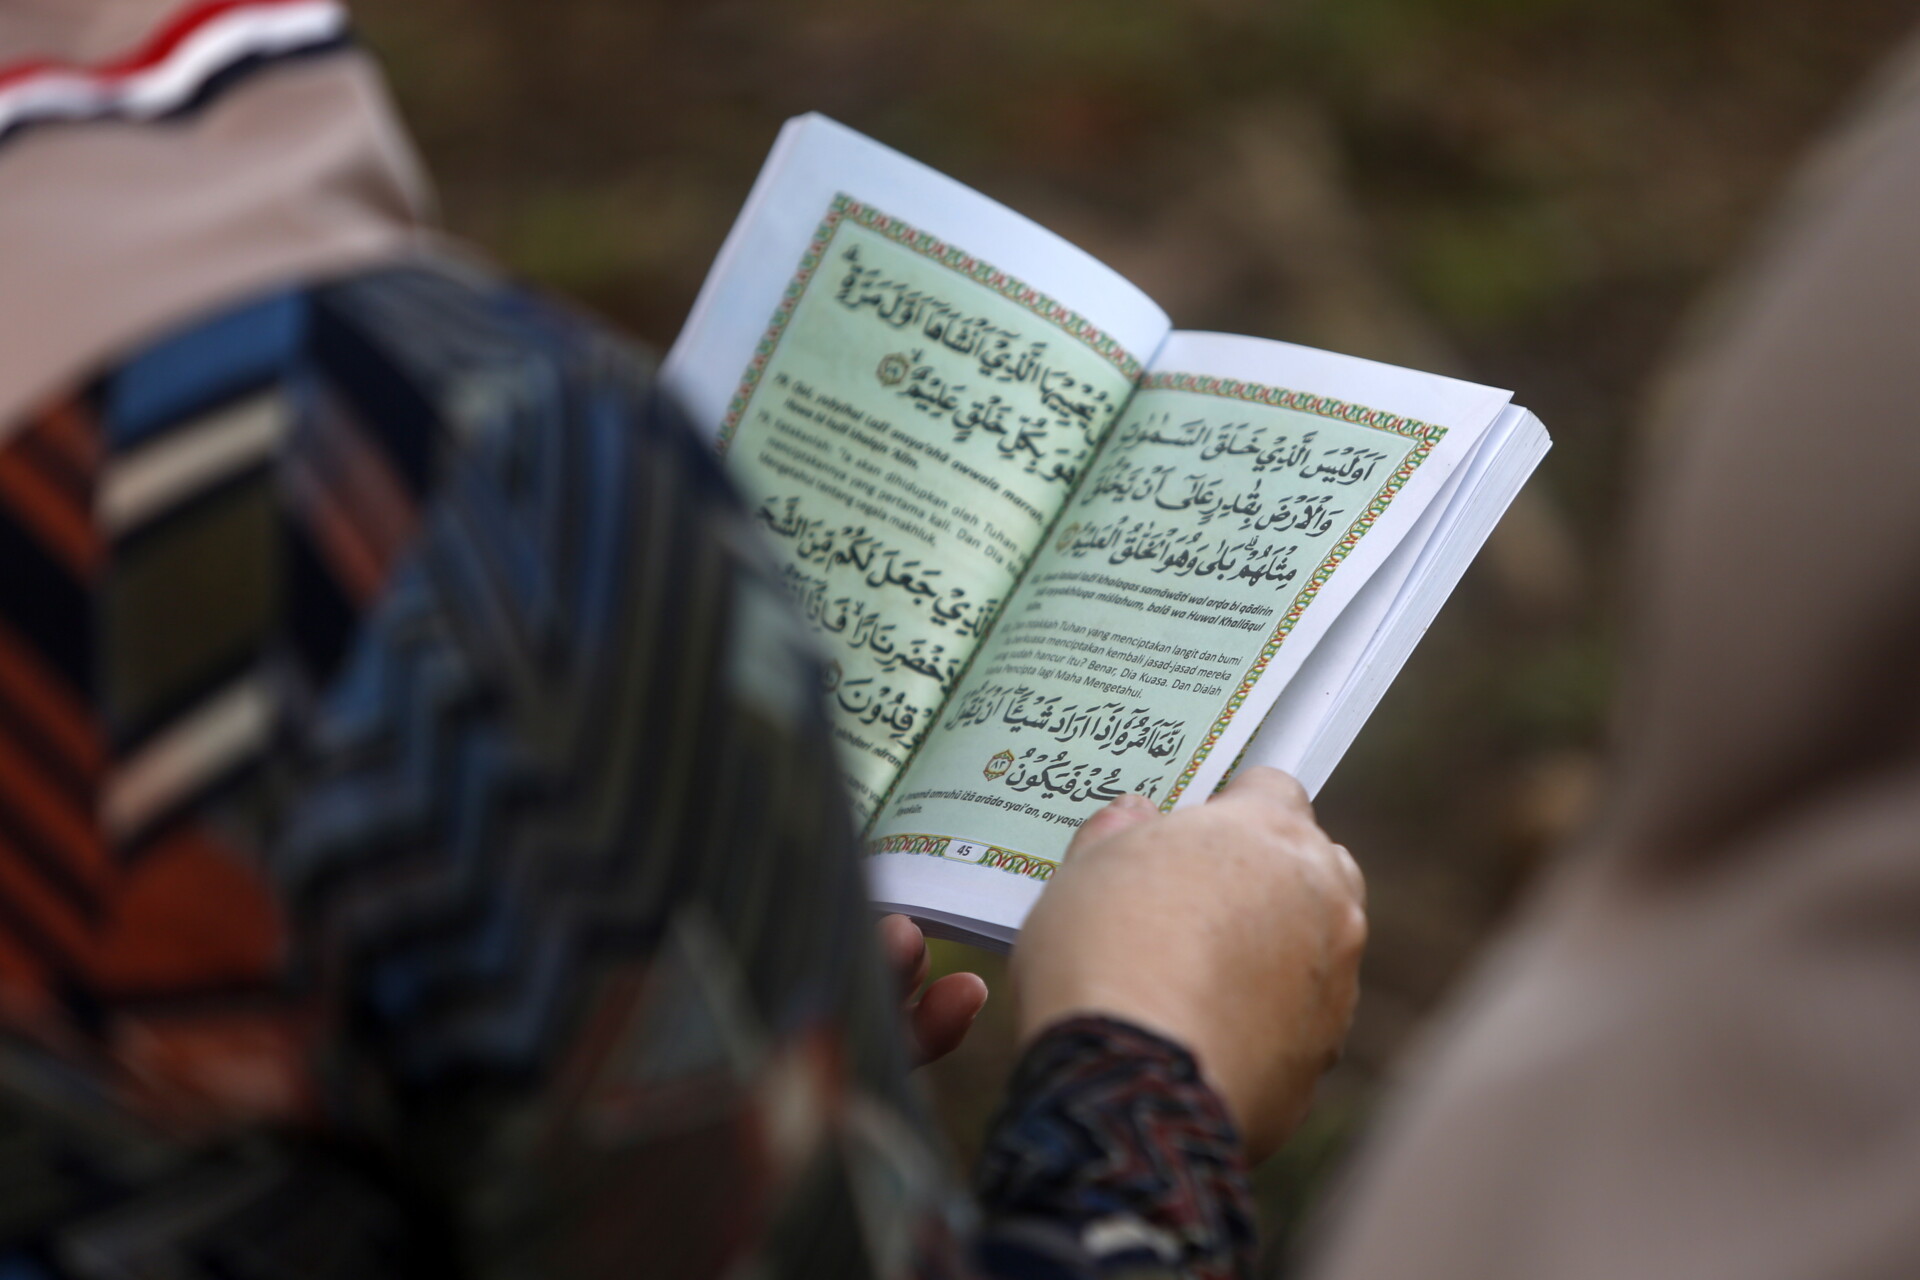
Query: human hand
1234	927
939	1020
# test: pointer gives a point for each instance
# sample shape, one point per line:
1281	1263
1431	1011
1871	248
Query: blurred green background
1523	192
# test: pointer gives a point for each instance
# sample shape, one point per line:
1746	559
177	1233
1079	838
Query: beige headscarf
1700	1056
112	231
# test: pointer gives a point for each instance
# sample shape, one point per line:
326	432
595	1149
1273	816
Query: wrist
1171	1021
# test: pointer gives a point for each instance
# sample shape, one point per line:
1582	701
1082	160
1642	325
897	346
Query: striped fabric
402	741
149	552
421	851
201	50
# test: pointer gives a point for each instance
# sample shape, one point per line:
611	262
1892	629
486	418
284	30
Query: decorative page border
1009	860
845	207
1425	435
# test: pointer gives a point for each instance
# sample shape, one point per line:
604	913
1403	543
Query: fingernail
1133	800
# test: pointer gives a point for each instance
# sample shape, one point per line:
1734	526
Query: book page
1314	693
1246	494
904	411
1316	717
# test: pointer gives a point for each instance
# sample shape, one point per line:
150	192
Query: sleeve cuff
1110	1135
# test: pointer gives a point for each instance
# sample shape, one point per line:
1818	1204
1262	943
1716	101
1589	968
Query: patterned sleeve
422	851
426	855
1113	1156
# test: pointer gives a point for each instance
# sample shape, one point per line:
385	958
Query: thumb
1126	812
1259	784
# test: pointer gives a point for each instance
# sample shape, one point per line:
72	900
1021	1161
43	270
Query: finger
942	1017
1127	811
905	949
1350	873
1264	785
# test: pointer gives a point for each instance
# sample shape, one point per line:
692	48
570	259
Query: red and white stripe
172	66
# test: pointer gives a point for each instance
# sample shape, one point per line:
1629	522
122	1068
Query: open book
1053	549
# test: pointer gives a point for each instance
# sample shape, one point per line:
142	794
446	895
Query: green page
1204	527
907	431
